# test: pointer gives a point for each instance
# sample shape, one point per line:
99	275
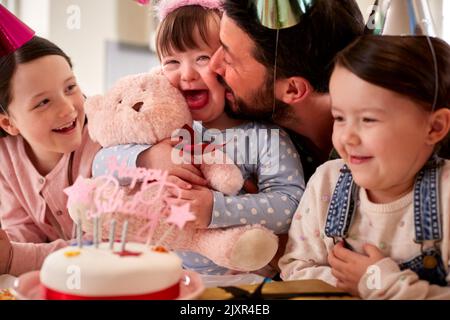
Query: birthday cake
139	273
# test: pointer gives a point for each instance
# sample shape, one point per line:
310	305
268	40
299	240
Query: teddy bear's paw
229	187
253	250
225	178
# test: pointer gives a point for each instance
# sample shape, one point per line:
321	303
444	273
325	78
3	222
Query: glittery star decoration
180	215
80	191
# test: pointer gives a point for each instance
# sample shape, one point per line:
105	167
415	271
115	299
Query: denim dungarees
427	219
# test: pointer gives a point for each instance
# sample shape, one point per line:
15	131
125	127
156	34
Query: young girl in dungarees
377	222
187	38
44	145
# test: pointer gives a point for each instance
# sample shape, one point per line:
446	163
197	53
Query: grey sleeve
125	152
280	182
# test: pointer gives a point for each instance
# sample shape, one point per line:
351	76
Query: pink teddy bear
146	109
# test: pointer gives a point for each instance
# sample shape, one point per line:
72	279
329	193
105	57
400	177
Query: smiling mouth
196	99
359	159
66	128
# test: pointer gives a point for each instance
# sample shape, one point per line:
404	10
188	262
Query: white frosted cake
140	272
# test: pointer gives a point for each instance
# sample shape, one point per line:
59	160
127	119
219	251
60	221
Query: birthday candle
96	232
74	231
100	230
112	233
124	235
165	235
79	234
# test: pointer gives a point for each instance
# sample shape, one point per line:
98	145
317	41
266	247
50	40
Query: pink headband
164	7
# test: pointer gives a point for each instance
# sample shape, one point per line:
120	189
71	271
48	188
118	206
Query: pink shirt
33	209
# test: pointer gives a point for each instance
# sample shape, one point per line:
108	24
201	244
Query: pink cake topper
80	191
180	215
142	197
13	32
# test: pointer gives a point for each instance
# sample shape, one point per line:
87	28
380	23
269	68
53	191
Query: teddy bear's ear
95	115
92	105
156	71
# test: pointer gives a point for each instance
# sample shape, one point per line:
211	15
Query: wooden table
295	290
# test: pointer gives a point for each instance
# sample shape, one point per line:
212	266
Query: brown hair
176	31
404	65
307	49
34	49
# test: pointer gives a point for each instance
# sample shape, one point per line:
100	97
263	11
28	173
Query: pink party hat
13	32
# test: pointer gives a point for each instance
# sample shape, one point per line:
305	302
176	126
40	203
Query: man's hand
348	267
201	202
159	157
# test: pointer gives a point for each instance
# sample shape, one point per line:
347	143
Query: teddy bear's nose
137	107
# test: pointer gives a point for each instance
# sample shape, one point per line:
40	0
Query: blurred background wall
110	38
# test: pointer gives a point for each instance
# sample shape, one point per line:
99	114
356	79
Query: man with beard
295	96
298	100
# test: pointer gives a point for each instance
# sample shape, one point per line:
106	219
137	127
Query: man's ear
439	126
8	126
292	90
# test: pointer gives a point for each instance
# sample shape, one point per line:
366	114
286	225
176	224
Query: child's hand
179	182
159	157
201	202
5	251
348	267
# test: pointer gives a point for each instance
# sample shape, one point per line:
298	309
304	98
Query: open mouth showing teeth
196	99
67	128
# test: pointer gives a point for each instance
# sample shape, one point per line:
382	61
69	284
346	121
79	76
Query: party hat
13	32
401	18
280	14
405	18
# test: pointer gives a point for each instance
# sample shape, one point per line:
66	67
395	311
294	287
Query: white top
390	227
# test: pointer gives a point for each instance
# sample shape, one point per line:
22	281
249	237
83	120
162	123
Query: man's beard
261	107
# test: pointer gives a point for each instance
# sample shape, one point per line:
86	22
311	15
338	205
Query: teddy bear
146	109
